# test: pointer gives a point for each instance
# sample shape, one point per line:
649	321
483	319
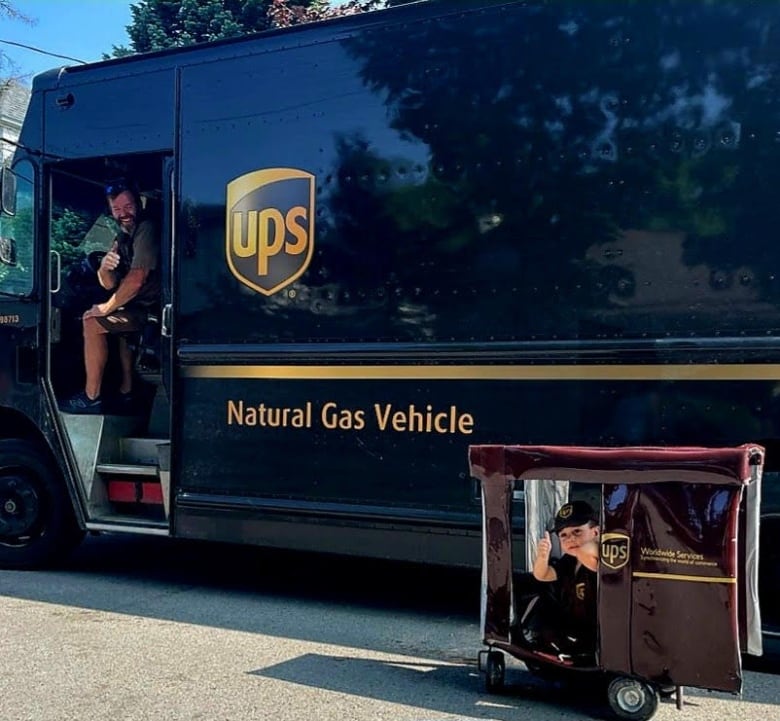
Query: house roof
14	98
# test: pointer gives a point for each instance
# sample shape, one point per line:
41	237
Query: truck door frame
167	328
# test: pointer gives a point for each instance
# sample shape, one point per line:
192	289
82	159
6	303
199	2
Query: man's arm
145	250
127	290
107	270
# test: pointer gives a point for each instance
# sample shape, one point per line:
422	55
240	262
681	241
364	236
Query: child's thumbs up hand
544	547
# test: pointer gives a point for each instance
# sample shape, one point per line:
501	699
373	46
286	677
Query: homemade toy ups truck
675	583
382	239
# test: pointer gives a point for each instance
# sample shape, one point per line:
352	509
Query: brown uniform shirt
141	250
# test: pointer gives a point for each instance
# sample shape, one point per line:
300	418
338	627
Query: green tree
67	235
161	24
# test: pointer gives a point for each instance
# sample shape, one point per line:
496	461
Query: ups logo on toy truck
270	227
615	550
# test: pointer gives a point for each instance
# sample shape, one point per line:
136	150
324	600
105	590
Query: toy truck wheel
495	669
37	524
632	699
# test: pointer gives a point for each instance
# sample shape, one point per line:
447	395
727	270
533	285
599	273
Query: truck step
126	469
134	492
140	451
126	483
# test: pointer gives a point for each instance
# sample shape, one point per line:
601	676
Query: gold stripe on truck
606	372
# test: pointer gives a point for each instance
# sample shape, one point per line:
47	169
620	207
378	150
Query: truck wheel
632	699
495	669
37	524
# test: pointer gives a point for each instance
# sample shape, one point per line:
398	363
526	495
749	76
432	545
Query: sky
81	29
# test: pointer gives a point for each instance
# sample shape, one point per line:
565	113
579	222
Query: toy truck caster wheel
495	669
632	699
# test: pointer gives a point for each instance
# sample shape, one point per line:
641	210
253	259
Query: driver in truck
130	271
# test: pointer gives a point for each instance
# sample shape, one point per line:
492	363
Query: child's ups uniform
565	614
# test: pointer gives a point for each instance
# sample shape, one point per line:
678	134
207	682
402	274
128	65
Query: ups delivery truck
384	238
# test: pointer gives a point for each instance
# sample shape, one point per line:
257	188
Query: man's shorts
124	320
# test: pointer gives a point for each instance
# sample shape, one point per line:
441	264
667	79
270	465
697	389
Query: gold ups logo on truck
270	227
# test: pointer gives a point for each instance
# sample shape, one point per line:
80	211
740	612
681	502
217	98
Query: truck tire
37	524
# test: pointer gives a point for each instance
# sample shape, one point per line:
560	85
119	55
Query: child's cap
576	513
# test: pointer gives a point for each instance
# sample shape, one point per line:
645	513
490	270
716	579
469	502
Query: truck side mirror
7	191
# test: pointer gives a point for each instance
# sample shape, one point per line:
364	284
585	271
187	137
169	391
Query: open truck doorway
116	451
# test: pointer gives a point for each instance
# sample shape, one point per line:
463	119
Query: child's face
572	537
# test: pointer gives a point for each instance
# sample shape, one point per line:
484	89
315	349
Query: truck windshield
17	266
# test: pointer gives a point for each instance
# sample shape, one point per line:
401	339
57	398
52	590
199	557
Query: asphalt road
137	628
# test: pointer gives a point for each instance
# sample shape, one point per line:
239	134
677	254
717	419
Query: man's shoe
82	404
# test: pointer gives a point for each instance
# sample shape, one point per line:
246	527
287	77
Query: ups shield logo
270	227
615	550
